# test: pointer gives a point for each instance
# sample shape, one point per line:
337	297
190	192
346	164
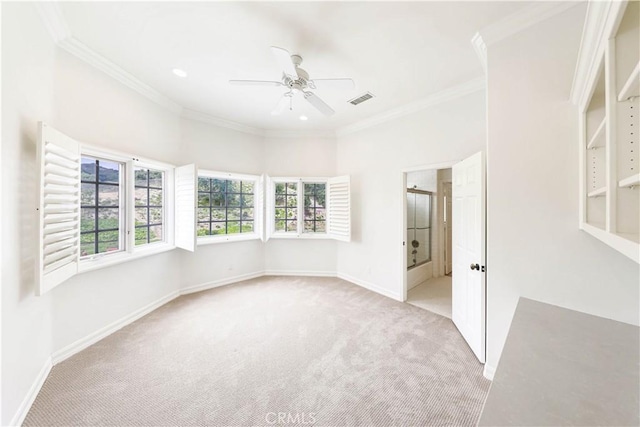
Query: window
101	210
295	199
149	211
226	206
315	207
309	208
286	207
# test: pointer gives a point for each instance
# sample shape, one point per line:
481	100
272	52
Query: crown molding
320	134
454	92
481	50
57	27
53	20
220	122
265	133
91	57
523	19
601	22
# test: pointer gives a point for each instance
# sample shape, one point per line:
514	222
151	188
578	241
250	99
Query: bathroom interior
428	207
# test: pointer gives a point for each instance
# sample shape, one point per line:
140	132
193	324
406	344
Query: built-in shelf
597	140
632	87
630	181
597	193
610	174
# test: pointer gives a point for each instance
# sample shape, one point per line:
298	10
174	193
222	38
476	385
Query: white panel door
468	235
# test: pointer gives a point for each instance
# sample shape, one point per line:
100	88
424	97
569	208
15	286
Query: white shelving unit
598	138
630	181
610	130
631	88
602	191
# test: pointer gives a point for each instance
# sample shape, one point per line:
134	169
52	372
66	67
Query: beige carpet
271	351
433	295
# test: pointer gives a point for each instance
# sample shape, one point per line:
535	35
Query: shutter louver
339	208
259	209
59	161
186	184
269	208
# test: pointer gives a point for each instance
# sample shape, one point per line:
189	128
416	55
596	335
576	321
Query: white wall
96	109
223	150
300	157
375	158
27	94
535	248
426	180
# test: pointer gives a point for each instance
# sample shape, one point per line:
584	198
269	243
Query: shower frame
430	194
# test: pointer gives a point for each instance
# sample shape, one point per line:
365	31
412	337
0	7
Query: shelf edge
597	193
627	89
598	134
630	181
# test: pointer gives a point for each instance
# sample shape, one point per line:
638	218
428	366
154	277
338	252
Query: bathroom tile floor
433	295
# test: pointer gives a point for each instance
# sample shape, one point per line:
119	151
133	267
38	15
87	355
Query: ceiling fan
297	80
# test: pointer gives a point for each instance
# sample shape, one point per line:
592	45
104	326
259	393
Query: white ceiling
400	51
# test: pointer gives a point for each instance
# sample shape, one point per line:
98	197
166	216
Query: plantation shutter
258	209
339	208
186	184
59	219
269	208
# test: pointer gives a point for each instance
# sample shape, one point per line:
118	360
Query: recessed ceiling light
180	73
303	117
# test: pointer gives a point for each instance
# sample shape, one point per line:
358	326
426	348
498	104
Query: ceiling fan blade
284	60
284	102
318	103
339	84
254	83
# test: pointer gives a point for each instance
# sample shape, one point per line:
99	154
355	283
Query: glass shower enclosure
418	227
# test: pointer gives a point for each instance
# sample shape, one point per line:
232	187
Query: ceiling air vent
355	101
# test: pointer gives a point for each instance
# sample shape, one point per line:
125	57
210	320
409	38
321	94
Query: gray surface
563	367
310	348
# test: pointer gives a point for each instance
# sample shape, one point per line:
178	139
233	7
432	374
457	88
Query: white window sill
110	259
224	238
303	236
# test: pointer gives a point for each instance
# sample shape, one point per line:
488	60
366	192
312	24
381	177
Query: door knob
475	267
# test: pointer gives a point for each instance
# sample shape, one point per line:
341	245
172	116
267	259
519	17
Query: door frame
403	231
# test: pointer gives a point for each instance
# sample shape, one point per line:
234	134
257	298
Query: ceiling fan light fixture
179	72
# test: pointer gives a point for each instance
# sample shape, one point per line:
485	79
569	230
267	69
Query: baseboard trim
220	282
370	286
301	273
24	407
101	333
488	372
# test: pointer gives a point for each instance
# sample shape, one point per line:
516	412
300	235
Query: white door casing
468	234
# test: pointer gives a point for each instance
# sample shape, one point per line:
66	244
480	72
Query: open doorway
451	281
429	258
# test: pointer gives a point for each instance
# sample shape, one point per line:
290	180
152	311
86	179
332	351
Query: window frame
299	233
129	250
256	234
122	214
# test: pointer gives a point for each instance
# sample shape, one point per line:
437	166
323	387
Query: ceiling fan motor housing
302	82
